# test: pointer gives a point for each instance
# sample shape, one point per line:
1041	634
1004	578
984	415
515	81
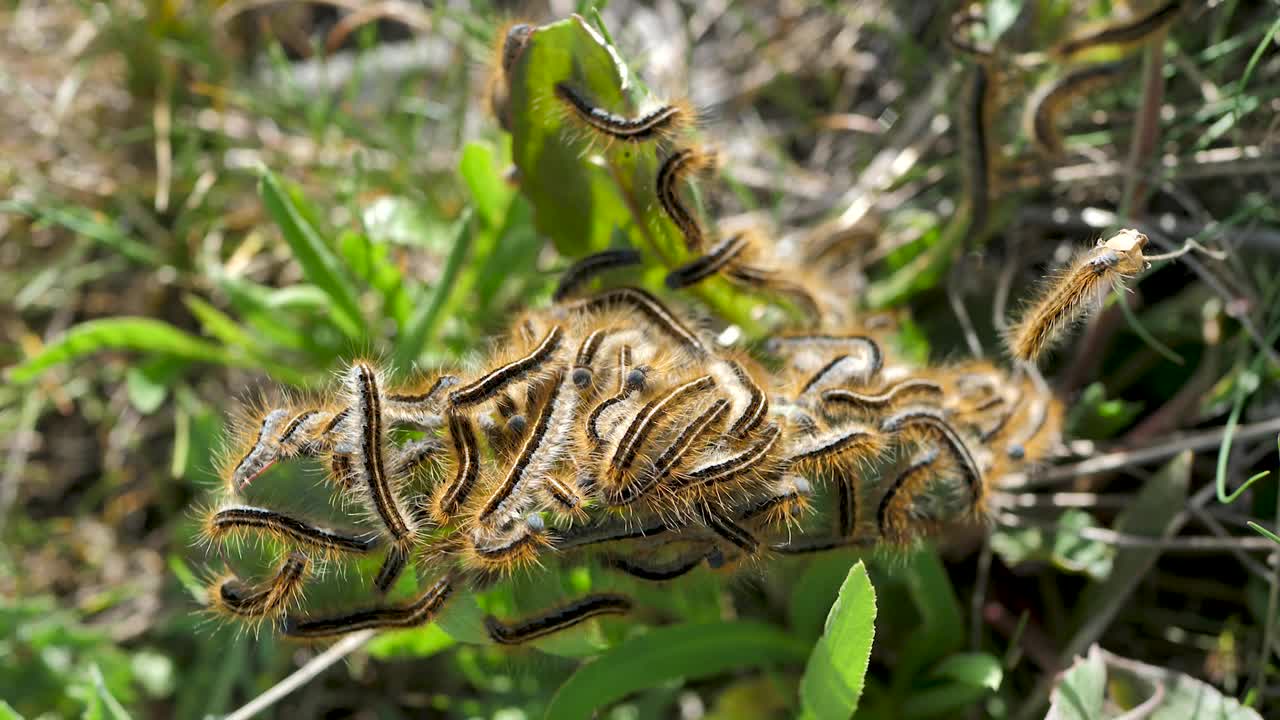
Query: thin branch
303	675
1140	456
1186	545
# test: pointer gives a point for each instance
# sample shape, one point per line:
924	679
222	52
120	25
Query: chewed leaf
589	189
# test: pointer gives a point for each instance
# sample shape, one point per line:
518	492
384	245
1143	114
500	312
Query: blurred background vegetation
201	199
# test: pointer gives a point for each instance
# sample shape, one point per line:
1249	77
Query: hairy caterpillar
612	429
681	165
1123	33
703	449
557	619
1077	291
233	597
1047	102
662	122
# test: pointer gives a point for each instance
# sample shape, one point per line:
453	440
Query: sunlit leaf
320	264
691	652
833	679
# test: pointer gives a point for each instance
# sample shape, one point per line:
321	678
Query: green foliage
50	661
691	651
320	264
833	678
1100	681
582	203
1063	546
1095	417
124	333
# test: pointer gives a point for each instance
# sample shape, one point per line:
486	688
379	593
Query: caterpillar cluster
613	431
610	430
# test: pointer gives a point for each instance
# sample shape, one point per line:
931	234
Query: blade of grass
88	224
320	264
120	333
1246	384
422	326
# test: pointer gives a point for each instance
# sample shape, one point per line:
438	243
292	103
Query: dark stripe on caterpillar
656	123
701	268
238	518
648	306
493	382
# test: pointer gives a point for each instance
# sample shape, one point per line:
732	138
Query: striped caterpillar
1077	291
644	449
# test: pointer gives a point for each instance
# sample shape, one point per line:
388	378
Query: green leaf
422	325
371	263
101	704
1062	546
416	643
320	265
833	679
969	678
1073	553
8	713
89	224
1104	679
489	194
978	670
119	333
1081	692
1095	417
148	384
589	194
218	324
816	590
691	651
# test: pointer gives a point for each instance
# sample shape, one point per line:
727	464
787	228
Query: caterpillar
233	597
662	122
1123	33
1047	102
557	619
1076	291
685	444
675	170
